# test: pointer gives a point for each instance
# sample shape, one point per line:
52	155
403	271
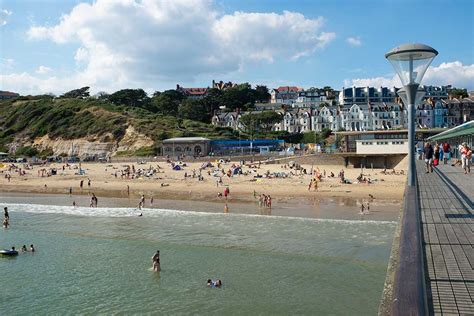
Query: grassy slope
75	118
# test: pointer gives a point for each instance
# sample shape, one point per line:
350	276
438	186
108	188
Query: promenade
446	200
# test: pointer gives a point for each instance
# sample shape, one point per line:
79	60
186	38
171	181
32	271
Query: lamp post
410	62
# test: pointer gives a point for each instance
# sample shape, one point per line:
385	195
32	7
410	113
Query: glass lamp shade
411	61
420	93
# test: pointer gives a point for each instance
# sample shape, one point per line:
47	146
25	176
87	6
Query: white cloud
131	43
43	70
30	84
448	73
6	64
4	14
354	41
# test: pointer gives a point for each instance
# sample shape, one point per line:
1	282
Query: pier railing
409	289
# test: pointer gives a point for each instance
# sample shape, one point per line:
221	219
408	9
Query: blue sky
53	45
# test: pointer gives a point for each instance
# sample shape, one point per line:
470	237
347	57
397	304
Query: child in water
213	284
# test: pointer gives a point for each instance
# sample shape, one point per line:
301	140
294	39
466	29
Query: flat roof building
190	146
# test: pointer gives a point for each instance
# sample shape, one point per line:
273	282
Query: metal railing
409	291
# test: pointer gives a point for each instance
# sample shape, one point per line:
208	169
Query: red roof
8	94
195	91
288	89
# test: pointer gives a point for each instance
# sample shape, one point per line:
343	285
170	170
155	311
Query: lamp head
411	61
420	93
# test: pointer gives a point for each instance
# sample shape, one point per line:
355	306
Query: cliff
89	127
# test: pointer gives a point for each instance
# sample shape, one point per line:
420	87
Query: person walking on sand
81	184
151	201
156	262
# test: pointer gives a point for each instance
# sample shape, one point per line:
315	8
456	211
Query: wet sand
345	208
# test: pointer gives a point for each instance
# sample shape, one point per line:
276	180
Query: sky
52	46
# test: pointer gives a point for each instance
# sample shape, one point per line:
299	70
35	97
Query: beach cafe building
189	146
378	149
463	133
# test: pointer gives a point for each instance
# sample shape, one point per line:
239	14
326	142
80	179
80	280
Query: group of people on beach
264	200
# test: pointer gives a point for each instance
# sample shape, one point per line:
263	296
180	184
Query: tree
249	124
241	96
458	93
77	93
194	110
262	94
263	121
102	95
267	119
167	102
325	133
130	97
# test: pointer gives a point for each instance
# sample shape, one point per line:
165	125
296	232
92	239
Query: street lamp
410	62
420	93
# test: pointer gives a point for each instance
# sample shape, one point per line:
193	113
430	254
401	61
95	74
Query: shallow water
97	261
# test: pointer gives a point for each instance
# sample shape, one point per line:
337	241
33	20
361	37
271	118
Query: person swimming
32	248
213	284
23	248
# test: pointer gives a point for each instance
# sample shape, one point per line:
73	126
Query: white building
364	95
326	117
381	146
297	121
226	119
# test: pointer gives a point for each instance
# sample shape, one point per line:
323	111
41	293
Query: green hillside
68	118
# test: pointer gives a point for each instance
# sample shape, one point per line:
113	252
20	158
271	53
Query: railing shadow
458	193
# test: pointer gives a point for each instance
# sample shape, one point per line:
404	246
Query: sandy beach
112	180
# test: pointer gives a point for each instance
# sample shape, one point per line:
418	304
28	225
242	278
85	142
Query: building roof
461	130
195	91
186	140
288	89
8	94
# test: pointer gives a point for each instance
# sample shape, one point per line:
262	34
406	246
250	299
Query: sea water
91	261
